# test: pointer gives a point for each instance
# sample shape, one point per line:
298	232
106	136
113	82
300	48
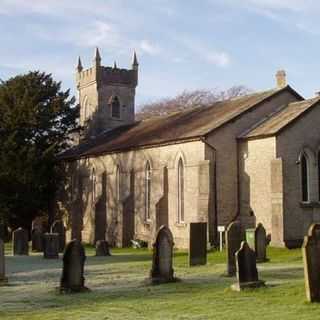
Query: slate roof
280	119
180	126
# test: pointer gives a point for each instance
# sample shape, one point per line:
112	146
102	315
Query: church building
255	159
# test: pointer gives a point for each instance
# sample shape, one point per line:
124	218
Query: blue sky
181	44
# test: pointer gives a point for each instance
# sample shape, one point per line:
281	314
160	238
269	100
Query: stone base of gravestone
248	285
102	248
51	246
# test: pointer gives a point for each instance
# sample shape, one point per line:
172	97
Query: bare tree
188	100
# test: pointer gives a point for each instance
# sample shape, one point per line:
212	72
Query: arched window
94	185
147	191
180	191
115	108
117	184
304	163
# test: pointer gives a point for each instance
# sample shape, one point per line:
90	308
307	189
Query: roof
180	126
280	119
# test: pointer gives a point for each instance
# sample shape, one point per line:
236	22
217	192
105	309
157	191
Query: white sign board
221	228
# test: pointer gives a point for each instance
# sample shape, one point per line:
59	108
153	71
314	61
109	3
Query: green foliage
36	118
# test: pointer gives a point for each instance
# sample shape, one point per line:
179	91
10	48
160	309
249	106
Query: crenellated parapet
107	75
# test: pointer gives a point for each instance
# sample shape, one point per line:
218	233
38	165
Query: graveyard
119	290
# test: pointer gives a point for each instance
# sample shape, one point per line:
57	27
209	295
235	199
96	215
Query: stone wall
164	193
224	140
302	135
255	158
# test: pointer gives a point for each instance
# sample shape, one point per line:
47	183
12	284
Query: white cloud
149	48
220	59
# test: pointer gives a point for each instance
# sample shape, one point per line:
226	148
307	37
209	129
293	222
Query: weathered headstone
20	242
233	242
102	248
162	270
51	246
36	240
247	273
72	279
261	243
198	244
3	278
58	227
311	262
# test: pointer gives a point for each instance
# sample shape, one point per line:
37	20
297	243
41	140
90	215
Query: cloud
220	59
149	48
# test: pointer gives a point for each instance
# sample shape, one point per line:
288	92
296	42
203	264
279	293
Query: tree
36	118
188	100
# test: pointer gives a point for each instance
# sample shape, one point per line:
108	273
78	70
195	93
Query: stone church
255	158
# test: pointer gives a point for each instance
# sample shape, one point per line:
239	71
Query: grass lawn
119	290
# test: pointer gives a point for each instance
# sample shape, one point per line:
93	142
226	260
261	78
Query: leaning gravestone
20	242
58	227
247	273
3	278
51	246
311	262
36	240
261	243
198	244
162	270
102	248
233	242
72	279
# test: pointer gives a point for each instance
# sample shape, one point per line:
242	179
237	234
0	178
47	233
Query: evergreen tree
36	119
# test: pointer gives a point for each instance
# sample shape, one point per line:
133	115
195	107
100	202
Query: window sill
180	224
310	204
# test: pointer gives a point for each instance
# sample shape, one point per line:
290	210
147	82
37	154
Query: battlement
107	75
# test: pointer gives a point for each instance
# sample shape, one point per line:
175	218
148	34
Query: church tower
106	95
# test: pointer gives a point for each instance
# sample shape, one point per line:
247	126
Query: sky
180	44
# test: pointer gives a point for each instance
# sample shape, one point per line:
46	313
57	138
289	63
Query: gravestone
72	279
102	248
198	244
51	246
247	273
20	242
162	270
3	278
261	243
233	242
58	227
311	262
36	240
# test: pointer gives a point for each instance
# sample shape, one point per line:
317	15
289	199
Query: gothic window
147	190
117	185
180	191
304	163
115	108
94	185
